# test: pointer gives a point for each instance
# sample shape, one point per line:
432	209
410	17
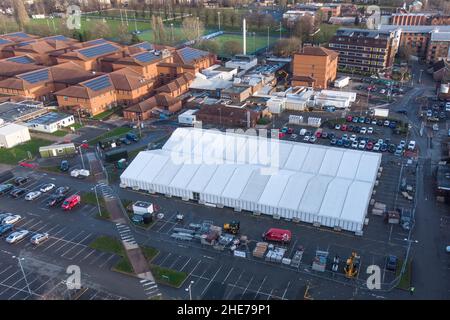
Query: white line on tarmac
185	264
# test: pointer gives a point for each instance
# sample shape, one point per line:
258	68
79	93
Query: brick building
314	66
223	115
369	51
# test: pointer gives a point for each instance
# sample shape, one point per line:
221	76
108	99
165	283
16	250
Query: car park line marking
37	223
85	257
70	242
270	295
101	255
190	274
92	297
259	289
18	289
80	251
26	222
79	243
4	280
165	222
229	272
248	284
60	239
162	262
234	285
25	286
107	260
209	283
185	264
285	290
4	270
175	261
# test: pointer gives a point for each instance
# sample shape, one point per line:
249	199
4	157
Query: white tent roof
314	183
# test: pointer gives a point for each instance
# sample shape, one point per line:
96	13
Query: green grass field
254	43
110	134
20	152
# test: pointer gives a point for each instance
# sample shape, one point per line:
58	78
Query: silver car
17	236
39	238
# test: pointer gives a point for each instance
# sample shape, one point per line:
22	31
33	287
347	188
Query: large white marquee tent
310	183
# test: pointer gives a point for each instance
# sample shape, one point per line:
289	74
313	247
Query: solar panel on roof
22	44
144	45
4	41
99	83
22	60
35	76
97	41
189	54
98	50
59	37
145	57
19	34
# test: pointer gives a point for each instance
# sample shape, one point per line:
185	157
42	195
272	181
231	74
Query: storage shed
12	134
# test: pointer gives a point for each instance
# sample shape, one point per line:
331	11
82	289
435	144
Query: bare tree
123	34
231	47
99	29
7	24
20	13
193	28
287	47
159	30
304	27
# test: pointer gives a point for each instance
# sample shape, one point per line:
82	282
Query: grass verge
20	152
103	115
405	281
112	133
168	276
90	198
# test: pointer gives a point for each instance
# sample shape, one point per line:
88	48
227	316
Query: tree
123	35
99	29
192	28
20	13
357	20
209	45
405	53
159	30
304	27
287	47
135	39
231	47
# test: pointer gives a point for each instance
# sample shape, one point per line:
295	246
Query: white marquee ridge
312	183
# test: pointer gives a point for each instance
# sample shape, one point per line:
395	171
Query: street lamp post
171	28
198	28
81	155
23	272
189	289
420	76
218	14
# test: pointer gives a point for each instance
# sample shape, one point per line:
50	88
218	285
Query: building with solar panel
144	62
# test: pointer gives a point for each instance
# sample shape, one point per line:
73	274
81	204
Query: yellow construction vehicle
232	227
352	267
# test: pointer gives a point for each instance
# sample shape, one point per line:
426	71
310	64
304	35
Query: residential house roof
89	88
188	55
126	79
174	85
10	69
27	80
70	73
141	59
159	100
93	52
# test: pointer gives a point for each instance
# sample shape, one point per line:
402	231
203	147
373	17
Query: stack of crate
260	249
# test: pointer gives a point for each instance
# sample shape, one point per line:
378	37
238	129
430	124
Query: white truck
80	173
380	112
341	82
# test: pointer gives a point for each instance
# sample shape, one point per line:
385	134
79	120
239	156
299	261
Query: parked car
398	151
17	192
47	187
357	129
402	143
324	135
429	113
20	181
64	166
412	145
32	195
5	229
349	118
376	147
55	200
374	122
132	137
383	147
333	141
369	130
369	145
391	263
402	112
337	126
306	138
4	215
331	136
71	202
137	218
347	143
386	123
353	137
17	236
351	128
355	119
367	121
12	219
61	190
344	127
355	144
362	145
340	142
39	238
313	139
363	130
362	120
5	188
392	124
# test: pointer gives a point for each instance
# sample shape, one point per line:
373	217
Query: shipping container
116	155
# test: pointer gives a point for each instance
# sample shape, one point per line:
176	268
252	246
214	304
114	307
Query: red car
27	165
318	134
290	131
349	118
71	202
277	235
369	145
281	135
344	127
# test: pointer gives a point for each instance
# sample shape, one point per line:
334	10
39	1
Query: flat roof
443	177
49	118
10	111
314	183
